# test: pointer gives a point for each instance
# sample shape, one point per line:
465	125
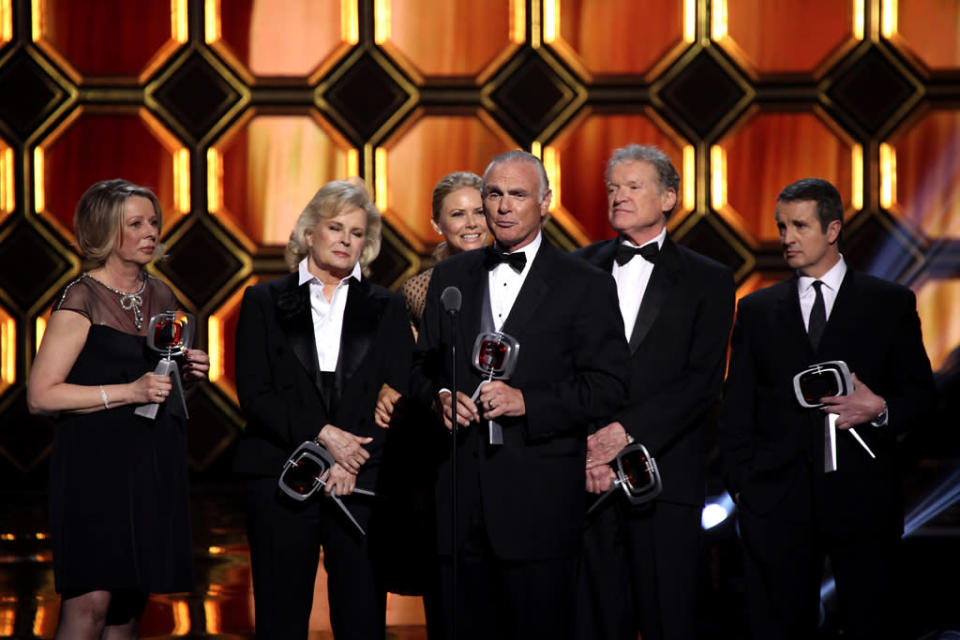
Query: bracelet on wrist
103	397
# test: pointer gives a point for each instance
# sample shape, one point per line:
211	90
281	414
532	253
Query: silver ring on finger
490	404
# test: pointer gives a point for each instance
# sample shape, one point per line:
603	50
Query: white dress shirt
632	279
831	285
327	316
504	283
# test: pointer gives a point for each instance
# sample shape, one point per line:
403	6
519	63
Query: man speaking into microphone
520	503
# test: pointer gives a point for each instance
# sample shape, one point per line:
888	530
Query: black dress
119	503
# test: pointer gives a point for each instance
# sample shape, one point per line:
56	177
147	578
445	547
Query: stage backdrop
236	111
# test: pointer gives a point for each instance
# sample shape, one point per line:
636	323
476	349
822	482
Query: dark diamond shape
25	439
871	89
874	249
704	238
702	93
28	265
196	95
199	264
391	262
533	94
365	95
29	94
211	432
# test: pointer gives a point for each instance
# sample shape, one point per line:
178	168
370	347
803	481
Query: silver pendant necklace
128	301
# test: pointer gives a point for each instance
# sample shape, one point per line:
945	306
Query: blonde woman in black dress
119	507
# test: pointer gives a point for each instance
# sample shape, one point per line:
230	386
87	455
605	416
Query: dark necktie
818	317
492	257
650	252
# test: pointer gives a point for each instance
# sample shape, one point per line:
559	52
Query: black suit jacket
571	370
677	352
774	449
278	373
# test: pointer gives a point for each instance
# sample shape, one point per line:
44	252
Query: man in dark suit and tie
520	503
640	564
791	512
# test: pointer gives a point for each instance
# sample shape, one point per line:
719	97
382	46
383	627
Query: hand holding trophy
495	356
171	334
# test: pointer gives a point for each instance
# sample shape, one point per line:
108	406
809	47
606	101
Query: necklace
128	301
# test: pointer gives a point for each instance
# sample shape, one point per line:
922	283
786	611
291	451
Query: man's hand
347	448
340	479
497	399
600	478
466	409
861	406
386	401
604	445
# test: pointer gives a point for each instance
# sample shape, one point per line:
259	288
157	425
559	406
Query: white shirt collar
659	240
303	270
531	249
832	278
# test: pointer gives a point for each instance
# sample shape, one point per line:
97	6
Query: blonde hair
333	199
98	218
447	185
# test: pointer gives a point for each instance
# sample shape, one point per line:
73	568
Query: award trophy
170	333
830	378
637	475
495	356
303	474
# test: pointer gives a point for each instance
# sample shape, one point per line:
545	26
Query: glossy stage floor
221	604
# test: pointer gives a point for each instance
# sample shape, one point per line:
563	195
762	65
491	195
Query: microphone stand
451	299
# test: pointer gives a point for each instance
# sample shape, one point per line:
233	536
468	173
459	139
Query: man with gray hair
520	502
677	308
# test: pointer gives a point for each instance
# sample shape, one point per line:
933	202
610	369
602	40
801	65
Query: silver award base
166	368
830	442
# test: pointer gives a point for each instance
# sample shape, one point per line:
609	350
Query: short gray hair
329	202
667	175
517	155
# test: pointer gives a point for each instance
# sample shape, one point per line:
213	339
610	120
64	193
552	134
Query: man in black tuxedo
640	564
520	503
791	513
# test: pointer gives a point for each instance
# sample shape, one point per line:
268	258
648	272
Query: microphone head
451	299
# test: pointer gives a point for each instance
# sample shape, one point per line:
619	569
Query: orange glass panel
6	23
938	303
767	38
769	152
449	38
927	173
584	149
926	28
86	36
97	144
7	189
281	37
614	37
422	153
8	350
267	167
221	334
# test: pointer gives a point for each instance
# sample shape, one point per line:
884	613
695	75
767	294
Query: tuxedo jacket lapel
531	294
841	321
790	319
360	319
662	279
294	316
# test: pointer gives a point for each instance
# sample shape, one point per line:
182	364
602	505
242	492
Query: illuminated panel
766	39
938	303
281	38
452	39
617	37
8	350
84	37
8	615
584	147
920	170
6	21
927	29
755	161
267	167
415	158
7	191
98	144
46	617
165	617
221	331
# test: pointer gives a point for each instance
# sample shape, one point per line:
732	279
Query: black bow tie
492	257
650	253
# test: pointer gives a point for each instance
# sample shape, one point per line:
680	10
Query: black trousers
285	541
639	570
504	599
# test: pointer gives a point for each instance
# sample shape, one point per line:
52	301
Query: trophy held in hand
495	357
170	333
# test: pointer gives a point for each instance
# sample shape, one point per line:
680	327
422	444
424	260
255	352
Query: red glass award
495	357
170	333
